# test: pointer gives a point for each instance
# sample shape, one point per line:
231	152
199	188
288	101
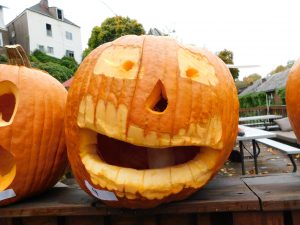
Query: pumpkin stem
17	56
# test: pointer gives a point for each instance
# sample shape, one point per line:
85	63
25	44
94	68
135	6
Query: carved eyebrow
196	67
119	62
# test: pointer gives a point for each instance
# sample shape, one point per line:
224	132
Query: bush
253	100
44	58
281	93
61	73
69	62
3	59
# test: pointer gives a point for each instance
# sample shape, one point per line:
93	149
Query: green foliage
227	57
61	69
253	100
111	29
278	69
281	93
3	59
249	80
281	68
69	62
59	72
44	58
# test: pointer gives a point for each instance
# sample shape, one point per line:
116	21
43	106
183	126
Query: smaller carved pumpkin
292	97
32	147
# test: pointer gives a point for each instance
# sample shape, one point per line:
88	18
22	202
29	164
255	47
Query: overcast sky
265	33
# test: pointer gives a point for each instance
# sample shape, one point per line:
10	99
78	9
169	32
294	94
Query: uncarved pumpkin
32	147
149	120
292	98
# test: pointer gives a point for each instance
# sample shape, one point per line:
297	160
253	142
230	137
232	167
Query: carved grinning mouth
133	164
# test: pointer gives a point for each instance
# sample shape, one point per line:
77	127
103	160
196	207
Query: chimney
44	4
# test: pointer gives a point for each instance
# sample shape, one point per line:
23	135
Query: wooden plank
84	220
221	194
133	220
177	219
203	219
40	221
272	218
296	217
276	192
247	218
6	221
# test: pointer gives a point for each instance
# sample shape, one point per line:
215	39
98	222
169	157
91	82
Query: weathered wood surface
222	194
276	192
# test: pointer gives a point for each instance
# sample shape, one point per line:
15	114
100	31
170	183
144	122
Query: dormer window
59	14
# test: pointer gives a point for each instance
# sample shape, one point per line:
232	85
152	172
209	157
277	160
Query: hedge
253	100
281	93
59	72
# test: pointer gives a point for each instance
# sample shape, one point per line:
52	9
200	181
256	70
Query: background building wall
58	41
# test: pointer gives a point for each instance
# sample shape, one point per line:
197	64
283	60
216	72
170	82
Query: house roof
267	84
45	11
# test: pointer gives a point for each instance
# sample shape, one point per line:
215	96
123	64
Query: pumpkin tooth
89	111
100	117
111	128
81	113
157	183
122	120
135	135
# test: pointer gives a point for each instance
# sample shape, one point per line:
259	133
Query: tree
111	29
278	69
227	57
251	78
281	68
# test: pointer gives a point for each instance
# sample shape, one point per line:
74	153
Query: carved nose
157	101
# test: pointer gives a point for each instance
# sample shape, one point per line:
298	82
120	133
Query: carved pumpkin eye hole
192	72
157	101
8	102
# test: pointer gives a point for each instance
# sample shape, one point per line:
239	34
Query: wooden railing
262	110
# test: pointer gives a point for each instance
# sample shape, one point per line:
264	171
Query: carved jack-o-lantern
33	155
292	97
149	120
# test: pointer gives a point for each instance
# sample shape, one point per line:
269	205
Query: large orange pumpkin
32	147
149	120
292	97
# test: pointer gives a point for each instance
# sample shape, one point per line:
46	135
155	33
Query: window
49	30
50	50
13	34
69	35
70	53
41	48
59	14
1	40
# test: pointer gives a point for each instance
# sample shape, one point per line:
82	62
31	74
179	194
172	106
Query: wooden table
250	135
260	200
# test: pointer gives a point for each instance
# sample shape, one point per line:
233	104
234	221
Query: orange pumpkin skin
292	98
113	119
32	145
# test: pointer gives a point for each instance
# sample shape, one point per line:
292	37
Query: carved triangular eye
157	101
8	102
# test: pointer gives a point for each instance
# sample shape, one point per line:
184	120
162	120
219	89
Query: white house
3	31
45	28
